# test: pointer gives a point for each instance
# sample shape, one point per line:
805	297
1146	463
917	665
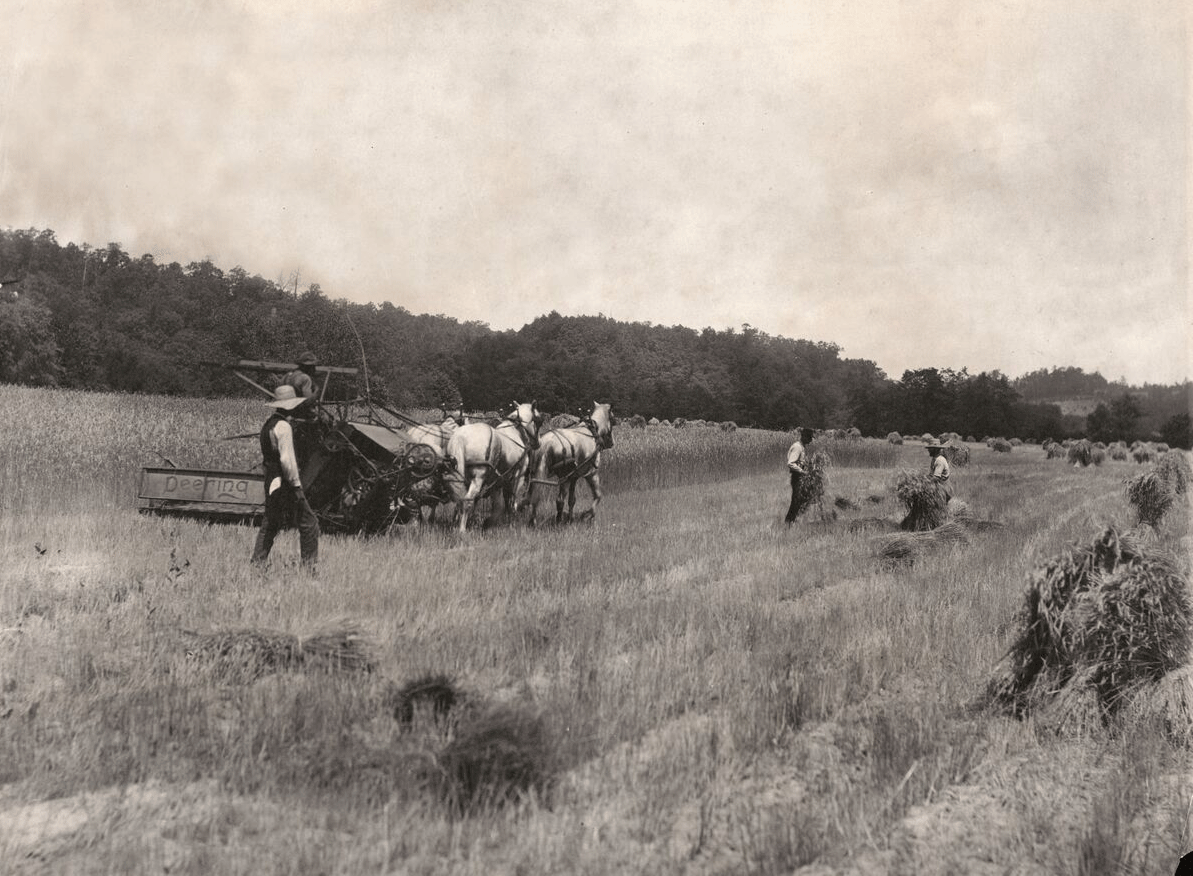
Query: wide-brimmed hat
936	447
308	358
286	398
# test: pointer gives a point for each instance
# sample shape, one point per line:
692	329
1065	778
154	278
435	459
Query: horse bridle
603	443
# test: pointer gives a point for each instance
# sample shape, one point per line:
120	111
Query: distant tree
28	349
1114	422
1125	413
1177	432
1099	424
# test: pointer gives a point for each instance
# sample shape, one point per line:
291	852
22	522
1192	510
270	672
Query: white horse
436	435
487	457
567	454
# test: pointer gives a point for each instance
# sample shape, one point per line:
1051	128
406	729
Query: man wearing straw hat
285	502
797	458
938	468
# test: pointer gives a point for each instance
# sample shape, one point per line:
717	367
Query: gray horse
491	457
567	454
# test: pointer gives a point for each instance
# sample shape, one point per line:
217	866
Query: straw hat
935	446
308	359
286	398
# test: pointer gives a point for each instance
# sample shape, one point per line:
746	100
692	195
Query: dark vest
273	459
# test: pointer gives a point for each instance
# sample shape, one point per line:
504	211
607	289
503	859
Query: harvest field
683	686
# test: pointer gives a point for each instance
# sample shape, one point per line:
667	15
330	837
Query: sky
925	183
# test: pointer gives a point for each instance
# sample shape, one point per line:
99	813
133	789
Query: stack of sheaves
1105	630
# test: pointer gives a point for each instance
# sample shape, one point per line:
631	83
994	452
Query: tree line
99	319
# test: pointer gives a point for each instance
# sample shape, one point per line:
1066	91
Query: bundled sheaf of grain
910	546
1173	467
1071	708
894	438
500	754
1132	625
435	692
343	646
251	653
1000	445
957	454
1143	453
248	653
1167	703
1056	451
959	512
1151	495
1081	453
811	486
924	499
562	421
1105	618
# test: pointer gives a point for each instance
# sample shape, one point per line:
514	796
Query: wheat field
701	688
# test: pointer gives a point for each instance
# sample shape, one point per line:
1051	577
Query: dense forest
96	318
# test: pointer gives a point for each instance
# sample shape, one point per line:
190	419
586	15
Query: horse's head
602	421
528	419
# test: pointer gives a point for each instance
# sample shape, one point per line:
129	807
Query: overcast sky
923	182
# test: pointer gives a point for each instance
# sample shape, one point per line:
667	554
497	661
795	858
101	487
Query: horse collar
595	430
527	439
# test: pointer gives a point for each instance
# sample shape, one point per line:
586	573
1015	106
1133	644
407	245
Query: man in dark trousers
797	458
303	377
285	502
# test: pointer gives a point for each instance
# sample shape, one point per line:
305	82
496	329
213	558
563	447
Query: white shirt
940	467
796	457
282	438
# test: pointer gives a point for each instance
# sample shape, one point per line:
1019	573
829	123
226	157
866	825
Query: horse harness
528	443
579	468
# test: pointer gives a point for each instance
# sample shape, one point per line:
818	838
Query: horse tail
455	478
542	461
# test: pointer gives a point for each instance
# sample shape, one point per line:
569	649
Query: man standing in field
797	458
303	377
285	502
938	468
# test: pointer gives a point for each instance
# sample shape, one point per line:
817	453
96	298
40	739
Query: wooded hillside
97	318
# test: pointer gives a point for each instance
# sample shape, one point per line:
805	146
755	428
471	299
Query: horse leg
594	487
469	501
572	499
506	505
534	496
560	494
